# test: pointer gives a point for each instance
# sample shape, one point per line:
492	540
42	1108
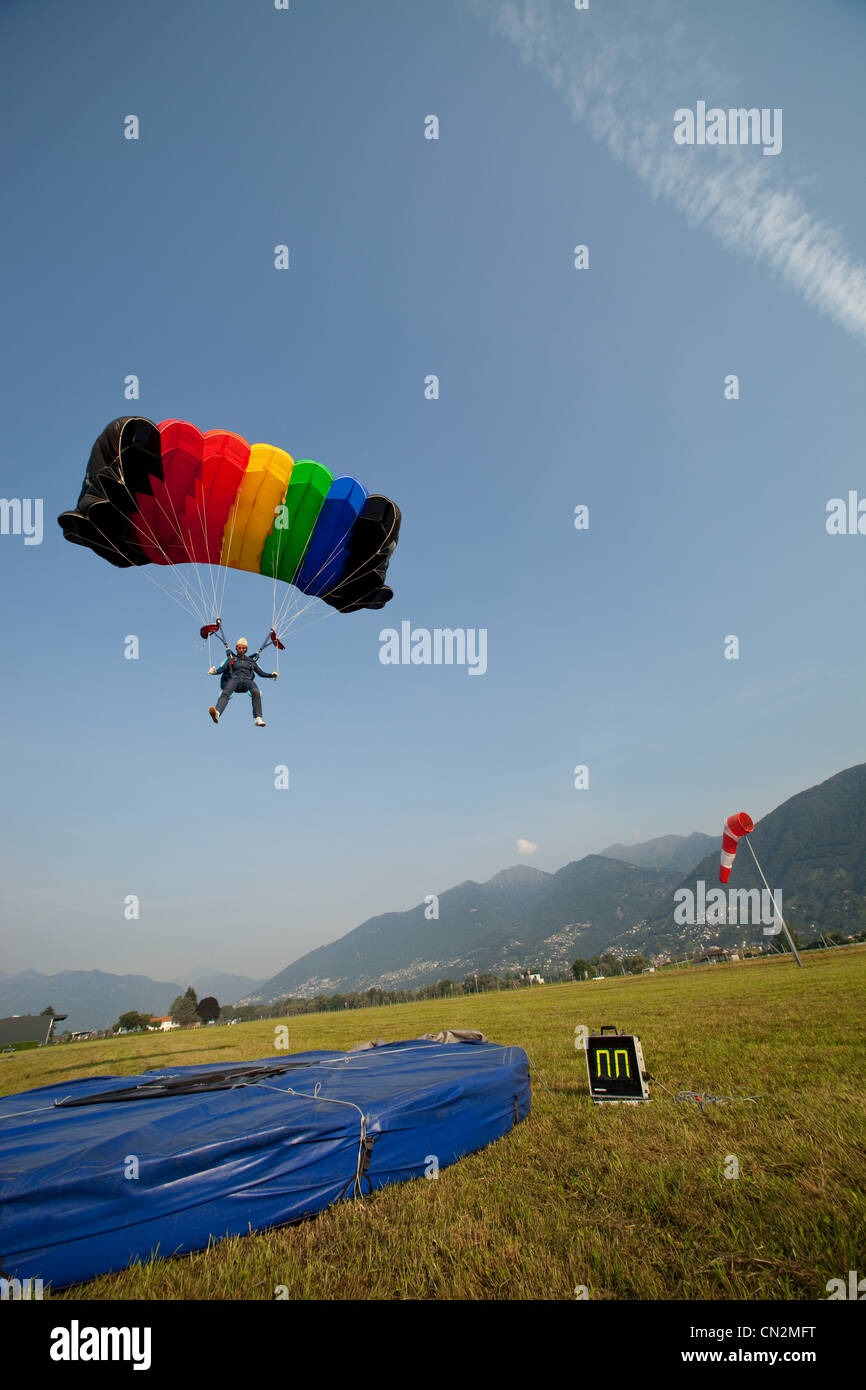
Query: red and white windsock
734	827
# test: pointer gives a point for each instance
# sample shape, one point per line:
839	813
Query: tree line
187	1009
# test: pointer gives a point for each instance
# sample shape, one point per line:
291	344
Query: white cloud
624	70
526	846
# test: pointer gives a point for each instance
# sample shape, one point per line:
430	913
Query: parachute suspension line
210	633
180	580
178	586
291	619
173	594
274	603
276	621
227	550
174	521
292	608
274	580
776	907
181	586
274	626
284	617
202	517
140	569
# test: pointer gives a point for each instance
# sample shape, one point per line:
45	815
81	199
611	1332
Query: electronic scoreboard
615	1065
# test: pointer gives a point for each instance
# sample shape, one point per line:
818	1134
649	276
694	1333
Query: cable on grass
537	1073
701	1098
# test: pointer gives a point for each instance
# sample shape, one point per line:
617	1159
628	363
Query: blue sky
603	387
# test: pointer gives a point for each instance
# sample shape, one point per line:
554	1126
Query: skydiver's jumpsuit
237	674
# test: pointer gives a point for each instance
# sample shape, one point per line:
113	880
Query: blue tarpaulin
180	1156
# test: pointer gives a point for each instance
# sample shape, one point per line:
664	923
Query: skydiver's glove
212	671
274	675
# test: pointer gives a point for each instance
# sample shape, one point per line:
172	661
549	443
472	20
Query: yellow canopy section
251	519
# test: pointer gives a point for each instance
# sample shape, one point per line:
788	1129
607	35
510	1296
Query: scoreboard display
616	1067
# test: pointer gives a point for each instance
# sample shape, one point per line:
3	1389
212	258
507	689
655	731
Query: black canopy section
164	1086
124	459
374	540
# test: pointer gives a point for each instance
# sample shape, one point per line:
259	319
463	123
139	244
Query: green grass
631	1201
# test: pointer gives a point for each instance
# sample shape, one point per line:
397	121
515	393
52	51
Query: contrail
624	74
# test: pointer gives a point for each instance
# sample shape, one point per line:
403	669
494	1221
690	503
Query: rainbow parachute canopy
168	494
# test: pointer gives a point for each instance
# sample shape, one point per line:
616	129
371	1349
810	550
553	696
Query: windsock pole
776	908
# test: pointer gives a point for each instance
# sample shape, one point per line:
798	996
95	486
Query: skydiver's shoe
260	722
213	714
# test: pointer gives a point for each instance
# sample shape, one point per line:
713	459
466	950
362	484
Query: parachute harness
215	629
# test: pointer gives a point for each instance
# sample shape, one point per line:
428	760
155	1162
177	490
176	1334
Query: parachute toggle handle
272	640
214	630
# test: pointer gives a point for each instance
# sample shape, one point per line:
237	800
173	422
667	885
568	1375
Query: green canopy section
293	526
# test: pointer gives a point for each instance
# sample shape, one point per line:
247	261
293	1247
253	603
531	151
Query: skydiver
237	674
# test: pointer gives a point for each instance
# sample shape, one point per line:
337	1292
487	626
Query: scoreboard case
615	1066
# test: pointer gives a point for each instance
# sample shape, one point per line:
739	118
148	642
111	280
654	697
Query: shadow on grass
150	1059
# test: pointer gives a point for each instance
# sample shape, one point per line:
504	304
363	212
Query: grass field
631	1202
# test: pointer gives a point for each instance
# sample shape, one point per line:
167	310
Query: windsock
734	827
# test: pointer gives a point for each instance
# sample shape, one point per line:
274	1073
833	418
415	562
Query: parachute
171	495
734	828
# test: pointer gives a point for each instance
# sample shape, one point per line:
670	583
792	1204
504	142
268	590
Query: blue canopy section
327	553
88	1184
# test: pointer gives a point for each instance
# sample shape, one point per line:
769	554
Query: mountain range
666	852
813	848
93	999
520	917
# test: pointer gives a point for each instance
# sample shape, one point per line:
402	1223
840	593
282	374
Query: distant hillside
812	848
94	999
227	989
476	922
521	917
91	998
681	852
